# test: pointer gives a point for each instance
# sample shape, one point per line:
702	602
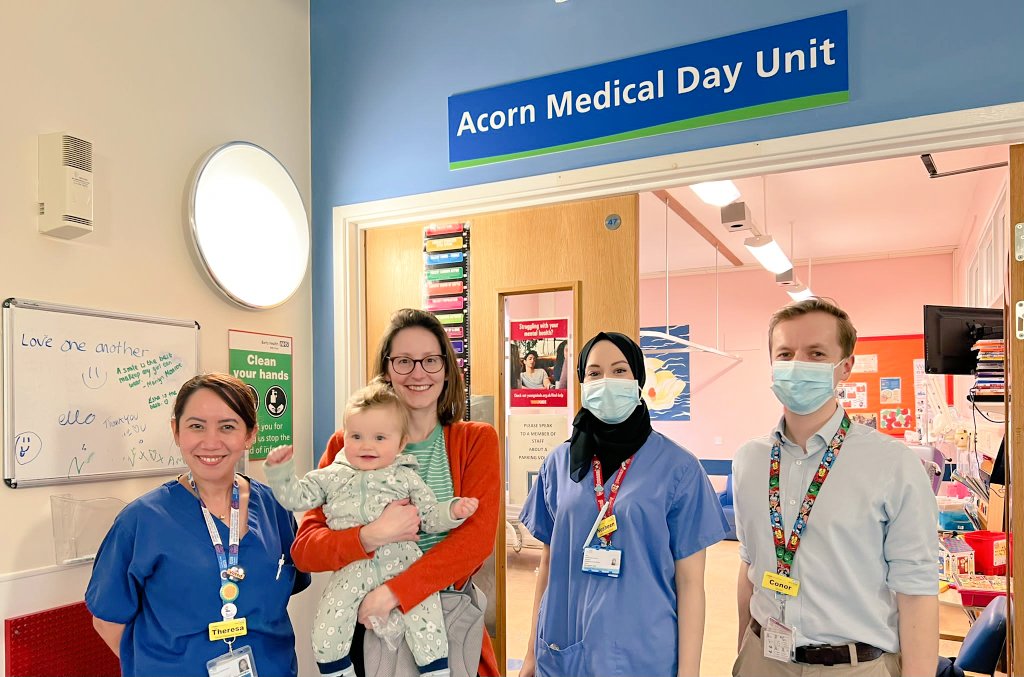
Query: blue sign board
793	66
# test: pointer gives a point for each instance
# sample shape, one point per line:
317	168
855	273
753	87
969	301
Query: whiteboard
88	394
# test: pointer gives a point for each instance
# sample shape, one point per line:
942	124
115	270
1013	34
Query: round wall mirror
249	225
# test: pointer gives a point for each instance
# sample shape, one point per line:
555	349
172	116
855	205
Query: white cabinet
986	265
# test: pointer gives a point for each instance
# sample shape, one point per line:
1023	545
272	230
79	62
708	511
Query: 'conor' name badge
779	583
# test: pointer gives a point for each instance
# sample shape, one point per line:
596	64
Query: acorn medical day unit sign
784	68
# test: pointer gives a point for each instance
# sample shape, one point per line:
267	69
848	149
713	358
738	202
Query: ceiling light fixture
768	253
801	293
717	193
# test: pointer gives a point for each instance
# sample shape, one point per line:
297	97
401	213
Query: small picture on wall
853	395
895	419
891	391
870	420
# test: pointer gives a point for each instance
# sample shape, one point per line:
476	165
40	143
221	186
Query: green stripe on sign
439	274
759	111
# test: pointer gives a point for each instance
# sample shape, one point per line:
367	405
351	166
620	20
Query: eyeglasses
404	365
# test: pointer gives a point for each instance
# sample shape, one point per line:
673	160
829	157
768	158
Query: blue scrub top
156	572
666	510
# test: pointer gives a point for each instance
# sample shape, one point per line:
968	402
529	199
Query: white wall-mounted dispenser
65	185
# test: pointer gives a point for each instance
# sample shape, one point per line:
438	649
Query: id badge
607	526
236	663
778	640
778	583
227	629
602	561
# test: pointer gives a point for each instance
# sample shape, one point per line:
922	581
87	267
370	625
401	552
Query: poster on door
530	439
539	372
264	363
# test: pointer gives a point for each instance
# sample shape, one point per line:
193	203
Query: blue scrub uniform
591	624
156	572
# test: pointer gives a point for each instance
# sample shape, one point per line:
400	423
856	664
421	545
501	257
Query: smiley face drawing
27	446
94	378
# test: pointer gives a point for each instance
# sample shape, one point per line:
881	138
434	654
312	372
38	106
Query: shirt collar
817	442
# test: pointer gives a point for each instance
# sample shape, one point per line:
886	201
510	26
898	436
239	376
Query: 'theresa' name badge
227	629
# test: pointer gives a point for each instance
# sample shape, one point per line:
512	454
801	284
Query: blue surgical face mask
803	387
611	399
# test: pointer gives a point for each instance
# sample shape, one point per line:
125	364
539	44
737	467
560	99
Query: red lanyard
612	493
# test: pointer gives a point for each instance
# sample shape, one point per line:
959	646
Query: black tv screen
949	333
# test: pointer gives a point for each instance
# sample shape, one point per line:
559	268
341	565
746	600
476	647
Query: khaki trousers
752	663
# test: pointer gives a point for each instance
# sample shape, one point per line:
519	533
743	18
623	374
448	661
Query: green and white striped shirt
432	458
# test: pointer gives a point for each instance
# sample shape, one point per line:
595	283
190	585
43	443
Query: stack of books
990	376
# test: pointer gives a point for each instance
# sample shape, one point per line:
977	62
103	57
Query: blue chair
983	644
725	497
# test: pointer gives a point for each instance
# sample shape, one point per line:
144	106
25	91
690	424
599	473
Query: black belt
829	654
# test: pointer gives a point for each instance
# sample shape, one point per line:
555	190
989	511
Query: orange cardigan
473	460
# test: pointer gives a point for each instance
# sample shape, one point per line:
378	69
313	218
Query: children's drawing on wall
891	392
853	395
899	418
865	364
667	389
870	419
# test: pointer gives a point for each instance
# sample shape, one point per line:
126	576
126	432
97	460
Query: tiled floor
721	626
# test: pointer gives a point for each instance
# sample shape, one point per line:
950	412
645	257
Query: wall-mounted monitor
949	333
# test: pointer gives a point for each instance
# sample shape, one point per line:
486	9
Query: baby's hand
280	454
464	507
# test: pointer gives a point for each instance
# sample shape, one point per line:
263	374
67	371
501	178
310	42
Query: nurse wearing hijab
625	515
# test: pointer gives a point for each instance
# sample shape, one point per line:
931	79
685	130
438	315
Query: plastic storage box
989	551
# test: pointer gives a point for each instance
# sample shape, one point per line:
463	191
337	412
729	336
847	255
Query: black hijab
612	443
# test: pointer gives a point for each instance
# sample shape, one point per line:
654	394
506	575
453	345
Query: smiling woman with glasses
404	365
455	458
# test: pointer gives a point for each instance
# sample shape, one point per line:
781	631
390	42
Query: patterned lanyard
786	551
230	572
612	493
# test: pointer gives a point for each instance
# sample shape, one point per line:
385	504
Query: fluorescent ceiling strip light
768	253
717	193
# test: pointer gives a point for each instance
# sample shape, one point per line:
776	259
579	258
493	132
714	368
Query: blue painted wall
382	71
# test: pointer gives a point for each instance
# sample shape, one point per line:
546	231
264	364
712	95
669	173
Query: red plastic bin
989	551
979	598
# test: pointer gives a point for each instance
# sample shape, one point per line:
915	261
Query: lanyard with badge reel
779	639
602	558
236	662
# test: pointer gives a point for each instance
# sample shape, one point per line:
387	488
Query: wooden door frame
1014	433
992	125
500	546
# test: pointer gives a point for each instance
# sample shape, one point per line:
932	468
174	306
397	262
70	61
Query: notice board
885	390
88	394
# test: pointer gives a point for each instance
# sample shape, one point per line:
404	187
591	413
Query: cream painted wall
731	401
153	86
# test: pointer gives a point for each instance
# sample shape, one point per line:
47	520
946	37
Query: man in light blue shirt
836	523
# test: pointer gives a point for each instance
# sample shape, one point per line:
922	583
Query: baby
353	491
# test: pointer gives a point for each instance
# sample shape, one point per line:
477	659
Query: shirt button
792	501
553	647
799	462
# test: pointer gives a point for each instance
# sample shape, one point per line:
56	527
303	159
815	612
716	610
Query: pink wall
731	401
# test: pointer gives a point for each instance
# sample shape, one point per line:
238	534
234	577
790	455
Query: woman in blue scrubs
626	598
210	547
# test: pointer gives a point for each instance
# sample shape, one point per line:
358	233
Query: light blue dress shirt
871	533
